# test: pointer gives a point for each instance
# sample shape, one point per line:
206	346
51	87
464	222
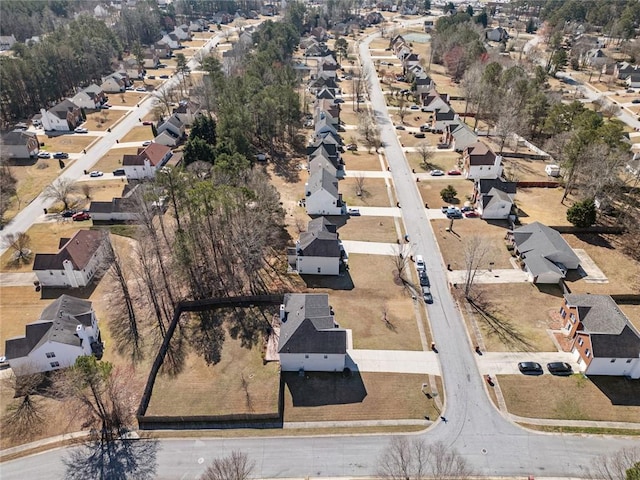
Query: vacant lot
374	192
113	160
240	383
362	307
369	229
103	119
515	317
126	99
70	142
138	134
522	170
452	244
430	191
102	191
444	161
362	396
572	398
541	205
361	159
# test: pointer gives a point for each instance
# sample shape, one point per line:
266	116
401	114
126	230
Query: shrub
448	193
582	214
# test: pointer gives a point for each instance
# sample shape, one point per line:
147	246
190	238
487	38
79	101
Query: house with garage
623	69
494	198
114	83
90	98
329	152
151	58
310	339
187	112
63	117
120	209
20	144
545	255
409	60
328	109
432	101
76	262
182	32
633	80
443	117
174	125
66	330
424	83
169	40
319	162
479	161
318	250
146	162
605	342
498	34
322	196
459	136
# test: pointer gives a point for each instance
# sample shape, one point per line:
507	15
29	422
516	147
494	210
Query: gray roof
462	133
445	114
542	247
320	240
309	327
57	323
485	185
323	180
64	107
17	137
320	162
624	345
495	196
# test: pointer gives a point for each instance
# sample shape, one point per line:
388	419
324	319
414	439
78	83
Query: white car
96	173
141	89
436	173
81	130
44	155
147	143
354	212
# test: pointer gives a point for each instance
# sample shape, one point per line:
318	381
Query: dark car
426	295
164	76
636	100
419	135
424	279
119	172
559	368
453	213
68	213
425	128
400	127
530	368
60	155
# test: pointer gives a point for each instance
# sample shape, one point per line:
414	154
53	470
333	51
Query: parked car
414	107
436	173
442	146
426	295
80	216
454	172
419	135
400	127
119	172
164	76
129	88
151	77
559	368
146	143
105	107
68	213
425	128
81	130
530	368
453	212
424	278
60	155
630	90
420	265
147	122
471	214
636	100
354	212
44	155
141	89
96	173
352	147
444	208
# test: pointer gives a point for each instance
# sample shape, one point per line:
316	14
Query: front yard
374	192
113	159
361	159
541	205
103	119
369	229
430	190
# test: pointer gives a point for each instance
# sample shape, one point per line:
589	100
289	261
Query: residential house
145	163
319	34
307	42
633	80
182	32
498	34
424	83
595	58
374	18
432	101
494	198
119	209
318	250
197	25
174	125
320	162
317	84
545	254
326	94
443	117
162	50
167	138
623	69
151	58
605	341
114	83
90	98
20	144
480	162
459	136
78	259
187	112
328	70
409	60
63	117
310	339
316	50
633	165
321	195
170	40
329	109
131	69
66	330
6	42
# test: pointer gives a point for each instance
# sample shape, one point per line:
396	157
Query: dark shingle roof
598	313
323	180
319	240
78	250
624	345
541	246
485	185
18	137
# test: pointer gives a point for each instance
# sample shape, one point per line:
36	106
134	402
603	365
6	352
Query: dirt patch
572	398
374	192
369	229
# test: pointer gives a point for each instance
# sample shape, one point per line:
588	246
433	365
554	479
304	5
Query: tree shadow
315	389
117	460
331	282
620	390
595	239
505	330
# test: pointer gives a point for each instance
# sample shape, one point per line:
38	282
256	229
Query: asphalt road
491	444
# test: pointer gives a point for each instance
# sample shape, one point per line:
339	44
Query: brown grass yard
542	205
361	308
452	244
520	313
370	229
444	161
572	398
18	307
374	192
364	396
633	313
138	134
113	159
524	170
430	190
103	119
130	98
69	143
103	191
361	159
218	389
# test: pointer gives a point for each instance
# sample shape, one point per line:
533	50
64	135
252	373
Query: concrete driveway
379	211
370	248
393	361
507	275
506	363
17	279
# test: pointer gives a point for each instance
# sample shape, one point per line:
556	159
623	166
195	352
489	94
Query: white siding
51	122
138	172
322	203
37	360
312	362
617	367
318	265
477	172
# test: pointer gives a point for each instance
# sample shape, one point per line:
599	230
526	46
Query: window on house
50	273
54	364
319	269
573	318
580	341
326	357
562	312
587	353
50	354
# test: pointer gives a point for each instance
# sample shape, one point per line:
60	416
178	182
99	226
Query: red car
147	122
80	216
454	172
471	214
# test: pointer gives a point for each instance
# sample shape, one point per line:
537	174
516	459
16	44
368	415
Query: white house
443	117
310	339
6	42
63	117
119	209
432	101
545	254
182	32
633	80
321	195
493	198
91	97
605	342
187	112
145	163
66	330
114	83
480	162
174	125
318	250
167	138
78	259
20	144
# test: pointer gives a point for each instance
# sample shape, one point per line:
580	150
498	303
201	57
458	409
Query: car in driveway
96	173
559	368
141	89
60	155
414	107
164	77
453	212
400	127
81	130
68	213
80	216
419	135
354	212
424	278
146	143
530	368
426	295
436	173
119	172
636	100
471	214
44	155
425	128
352	147
147	122
454	172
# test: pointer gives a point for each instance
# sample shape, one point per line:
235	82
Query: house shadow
331	282
620	390
575	275
315	389
51	293
22	162
550	289
499	223
286	167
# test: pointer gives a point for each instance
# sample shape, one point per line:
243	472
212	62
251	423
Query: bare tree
402	108
610	110
359	185
617	466
19	242
367	129
359	82
61	191
400	259
476	251
426	154
25	415
236	466
85	188
7	188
